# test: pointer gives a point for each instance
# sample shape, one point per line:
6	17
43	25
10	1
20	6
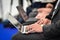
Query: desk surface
6	33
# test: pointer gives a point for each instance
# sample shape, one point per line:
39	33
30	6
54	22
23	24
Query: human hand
44	21
49	5
47	9
34	28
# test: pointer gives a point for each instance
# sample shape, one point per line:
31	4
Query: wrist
42	27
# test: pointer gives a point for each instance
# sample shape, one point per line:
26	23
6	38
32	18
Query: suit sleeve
52	29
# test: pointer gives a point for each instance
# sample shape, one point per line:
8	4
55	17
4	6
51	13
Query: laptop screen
21	28
14	22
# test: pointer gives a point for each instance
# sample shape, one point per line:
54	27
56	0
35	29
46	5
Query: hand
34	28
40	22
47	10
44	21
49	5
43	12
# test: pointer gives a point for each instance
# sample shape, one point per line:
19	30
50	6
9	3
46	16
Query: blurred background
7	30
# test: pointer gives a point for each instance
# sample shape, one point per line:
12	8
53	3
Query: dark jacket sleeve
52	30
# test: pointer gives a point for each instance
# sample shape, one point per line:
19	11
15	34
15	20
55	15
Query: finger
41	22
30	31
29	28
38	21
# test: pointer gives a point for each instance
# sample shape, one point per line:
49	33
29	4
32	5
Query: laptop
17	24
22	13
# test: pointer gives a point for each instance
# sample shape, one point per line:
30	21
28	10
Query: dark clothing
34	36
52	31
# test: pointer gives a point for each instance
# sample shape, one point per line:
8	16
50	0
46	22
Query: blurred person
51	31
41	32
31	36
37	4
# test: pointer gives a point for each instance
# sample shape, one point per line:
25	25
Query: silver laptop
17	24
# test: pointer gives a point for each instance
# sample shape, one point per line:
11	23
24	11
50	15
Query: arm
52	29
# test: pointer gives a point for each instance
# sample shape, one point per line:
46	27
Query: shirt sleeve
52	30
